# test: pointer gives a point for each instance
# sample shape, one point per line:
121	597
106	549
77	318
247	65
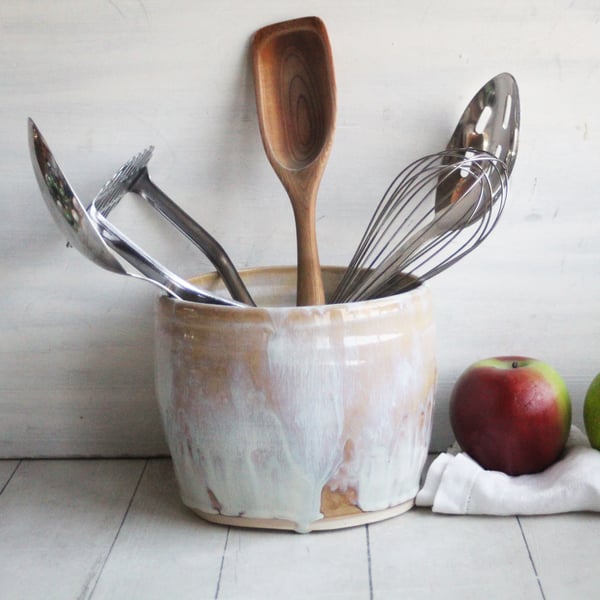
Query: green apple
511	414
591	412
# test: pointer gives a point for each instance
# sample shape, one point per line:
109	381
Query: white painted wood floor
81	529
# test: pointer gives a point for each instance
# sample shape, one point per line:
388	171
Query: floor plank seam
532	562
369	565
10	477
222	564
119	528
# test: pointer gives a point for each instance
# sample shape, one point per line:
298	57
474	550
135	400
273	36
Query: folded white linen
456	484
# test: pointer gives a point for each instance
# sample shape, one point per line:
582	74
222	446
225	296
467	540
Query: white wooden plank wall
116	529
104	79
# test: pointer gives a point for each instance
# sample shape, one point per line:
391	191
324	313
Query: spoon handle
309	278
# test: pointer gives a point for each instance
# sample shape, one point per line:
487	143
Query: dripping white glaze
261	414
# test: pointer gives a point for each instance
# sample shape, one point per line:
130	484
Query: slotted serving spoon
99	240
133	177
296	103
490	122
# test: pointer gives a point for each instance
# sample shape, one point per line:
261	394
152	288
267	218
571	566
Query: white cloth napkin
456	484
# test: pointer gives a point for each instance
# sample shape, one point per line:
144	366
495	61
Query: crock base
325	524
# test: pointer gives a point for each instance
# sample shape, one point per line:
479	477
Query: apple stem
515	364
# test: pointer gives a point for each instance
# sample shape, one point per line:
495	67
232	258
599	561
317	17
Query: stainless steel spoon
490	123
97	239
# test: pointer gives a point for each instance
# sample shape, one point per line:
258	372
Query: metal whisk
438	209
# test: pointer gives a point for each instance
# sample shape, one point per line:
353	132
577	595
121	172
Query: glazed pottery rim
421	287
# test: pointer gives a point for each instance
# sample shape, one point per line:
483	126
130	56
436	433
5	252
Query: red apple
511	414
